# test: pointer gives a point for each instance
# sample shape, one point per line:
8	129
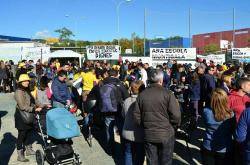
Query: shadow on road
2	114
7	147
99	134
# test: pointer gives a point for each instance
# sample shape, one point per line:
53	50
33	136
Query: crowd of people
144	105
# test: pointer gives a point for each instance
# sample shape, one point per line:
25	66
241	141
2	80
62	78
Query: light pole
118	18
75	21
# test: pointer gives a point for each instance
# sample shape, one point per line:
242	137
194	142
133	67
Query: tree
64	34
51	41
125	44
248	41
211	48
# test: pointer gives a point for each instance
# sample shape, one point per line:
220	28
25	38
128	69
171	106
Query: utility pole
118	18
189	29
41	54
233	28
145	14
133	41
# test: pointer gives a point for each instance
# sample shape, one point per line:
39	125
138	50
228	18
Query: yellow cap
22	64
23	77
224	67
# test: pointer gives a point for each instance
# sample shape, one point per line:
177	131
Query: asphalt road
94	155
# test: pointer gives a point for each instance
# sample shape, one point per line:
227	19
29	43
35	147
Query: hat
23	77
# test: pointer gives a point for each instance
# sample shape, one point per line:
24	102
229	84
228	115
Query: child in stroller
57	144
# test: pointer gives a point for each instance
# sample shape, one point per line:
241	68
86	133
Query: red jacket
238	103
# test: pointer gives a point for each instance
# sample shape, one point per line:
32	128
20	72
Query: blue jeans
195	108
88	119
109	130
133	153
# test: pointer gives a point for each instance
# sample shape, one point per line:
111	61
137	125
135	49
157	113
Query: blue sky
97	19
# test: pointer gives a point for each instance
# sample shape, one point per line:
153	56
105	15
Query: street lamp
75	21
118	17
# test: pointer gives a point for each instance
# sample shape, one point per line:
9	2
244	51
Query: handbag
27	117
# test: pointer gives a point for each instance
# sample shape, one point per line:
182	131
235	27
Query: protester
132	133
226	83
43	93
143	73
61	94
219	124
112	94
3	76
145	120
50	70
25	102
161	115
209	85
89	80
243	134
238	98
195	95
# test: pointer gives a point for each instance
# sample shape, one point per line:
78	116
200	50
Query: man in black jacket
157	110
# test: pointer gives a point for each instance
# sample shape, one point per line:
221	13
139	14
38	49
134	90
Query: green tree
64	34
211	48
125	44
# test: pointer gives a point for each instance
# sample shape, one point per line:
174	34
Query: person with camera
24	116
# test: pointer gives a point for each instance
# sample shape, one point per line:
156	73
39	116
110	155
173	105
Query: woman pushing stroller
24	117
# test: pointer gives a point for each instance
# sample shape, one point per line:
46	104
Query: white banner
35	53
136	59
10	53
216	58
103	52
240	53
173	53
128	51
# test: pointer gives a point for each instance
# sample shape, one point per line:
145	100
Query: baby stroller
61	126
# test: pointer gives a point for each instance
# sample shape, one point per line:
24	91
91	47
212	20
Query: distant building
173	42
16	49
223	39
14	39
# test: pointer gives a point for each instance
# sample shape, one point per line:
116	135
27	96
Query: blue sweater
60	91
243	133
218	135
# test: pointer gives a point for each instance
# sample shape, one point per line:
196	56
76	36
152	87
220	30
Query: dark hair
140	65
103	72
65	64
160	67
247	69
44	83
62	73
241	81
209	68
113	73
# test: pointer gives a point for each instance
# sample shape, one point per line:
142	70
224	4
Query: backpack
108	93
